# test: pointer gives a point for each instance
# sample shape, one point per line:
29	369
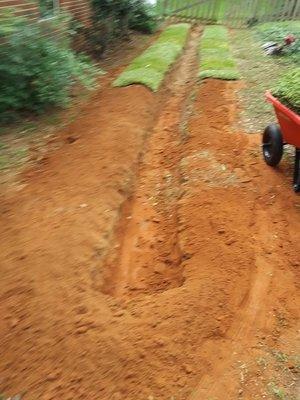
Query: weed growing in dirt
262	362
276	391
280	356
10	156
150	68
216	60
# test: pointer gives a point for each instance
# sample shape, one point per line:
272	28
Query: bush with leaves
123	15
288	90
143	17
37	65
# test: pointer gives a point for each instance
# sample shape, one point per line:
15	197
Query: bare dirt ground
153	256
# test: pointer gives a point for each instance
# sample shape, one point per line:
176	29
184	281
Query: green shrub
123	15
116	12
288	90
143	17
37	65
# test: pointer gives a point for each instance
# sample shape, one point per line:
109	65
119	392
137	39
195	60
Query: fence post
164	7
255	9
290	9
296	9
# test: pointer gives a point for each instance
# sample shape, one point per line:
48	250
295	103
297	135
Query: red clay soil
153	258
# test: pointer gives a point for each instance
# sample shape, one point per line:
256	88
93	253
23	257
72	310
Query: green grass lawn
260	73
276	31
149	68
216	60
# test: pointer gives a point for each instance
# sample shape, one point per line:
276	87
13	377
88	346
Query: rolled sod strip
216	60
150	68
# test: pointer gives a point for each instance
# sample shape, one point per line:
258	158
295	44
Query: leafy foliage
37	70
277	31
215	56
288	90
143	17
124	14
150	68
112	20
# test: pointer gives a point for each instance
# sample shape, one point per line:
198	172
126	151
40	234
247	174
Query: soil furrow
239	242
149	256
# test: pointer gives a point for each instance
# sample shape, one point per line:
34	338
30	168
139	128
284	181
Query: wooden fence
235	13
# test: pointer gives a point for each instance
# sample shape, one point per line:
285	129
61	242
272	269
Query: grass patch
149	68
11	157
277	392
277	31
260	73
216	60
287	90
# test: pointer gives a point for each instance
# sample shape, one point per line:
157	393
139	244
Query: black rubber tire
296	188
272	145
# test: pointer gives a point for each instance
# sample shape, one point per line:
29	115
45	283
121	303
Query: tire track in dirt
149	258
251	318
255	299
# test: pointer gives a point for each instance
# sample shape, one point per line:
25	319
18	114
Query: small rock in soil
187	368
186	256
119	313
294	263
229	242
159	342
130	375
292	367
81	310
141	355
116	396
181	382
156	220
71	139
14	322
138	286
82	329
246	180
159	268
53	376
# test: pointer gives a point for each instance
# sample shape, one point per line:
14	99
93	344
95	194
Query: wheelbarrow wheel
272	145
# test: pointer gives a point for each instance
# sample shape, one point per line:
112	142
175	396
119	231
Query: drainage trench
147	257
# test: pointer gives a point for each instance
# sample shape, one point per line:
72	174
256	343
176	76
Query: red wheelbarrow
275	136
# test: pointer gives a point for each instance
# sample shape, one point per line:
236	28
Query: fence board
231	12
296	10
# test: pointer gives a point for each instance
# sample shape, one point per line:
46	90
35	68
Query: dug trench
148	274
148	257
